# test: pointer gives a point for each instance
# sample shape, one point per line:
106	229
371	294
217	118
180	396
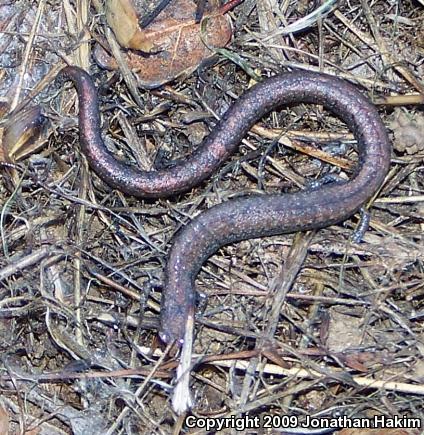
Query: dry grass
338	331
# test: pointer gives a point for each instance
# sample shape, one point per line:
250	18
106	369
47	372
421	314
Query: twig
27	261
148	19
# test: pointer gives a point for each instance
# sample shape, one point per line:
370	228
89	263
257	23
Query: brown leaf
176	43
362	360
353	361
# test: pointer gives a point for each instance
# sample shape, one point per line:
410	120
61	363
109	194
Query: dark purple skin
251	216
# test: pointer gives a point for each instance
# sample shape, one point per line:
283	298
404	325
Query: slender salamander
250	216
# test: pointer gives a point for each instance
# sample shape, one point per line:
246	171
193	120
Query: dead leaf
176	44
362	360
353	361
23	134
